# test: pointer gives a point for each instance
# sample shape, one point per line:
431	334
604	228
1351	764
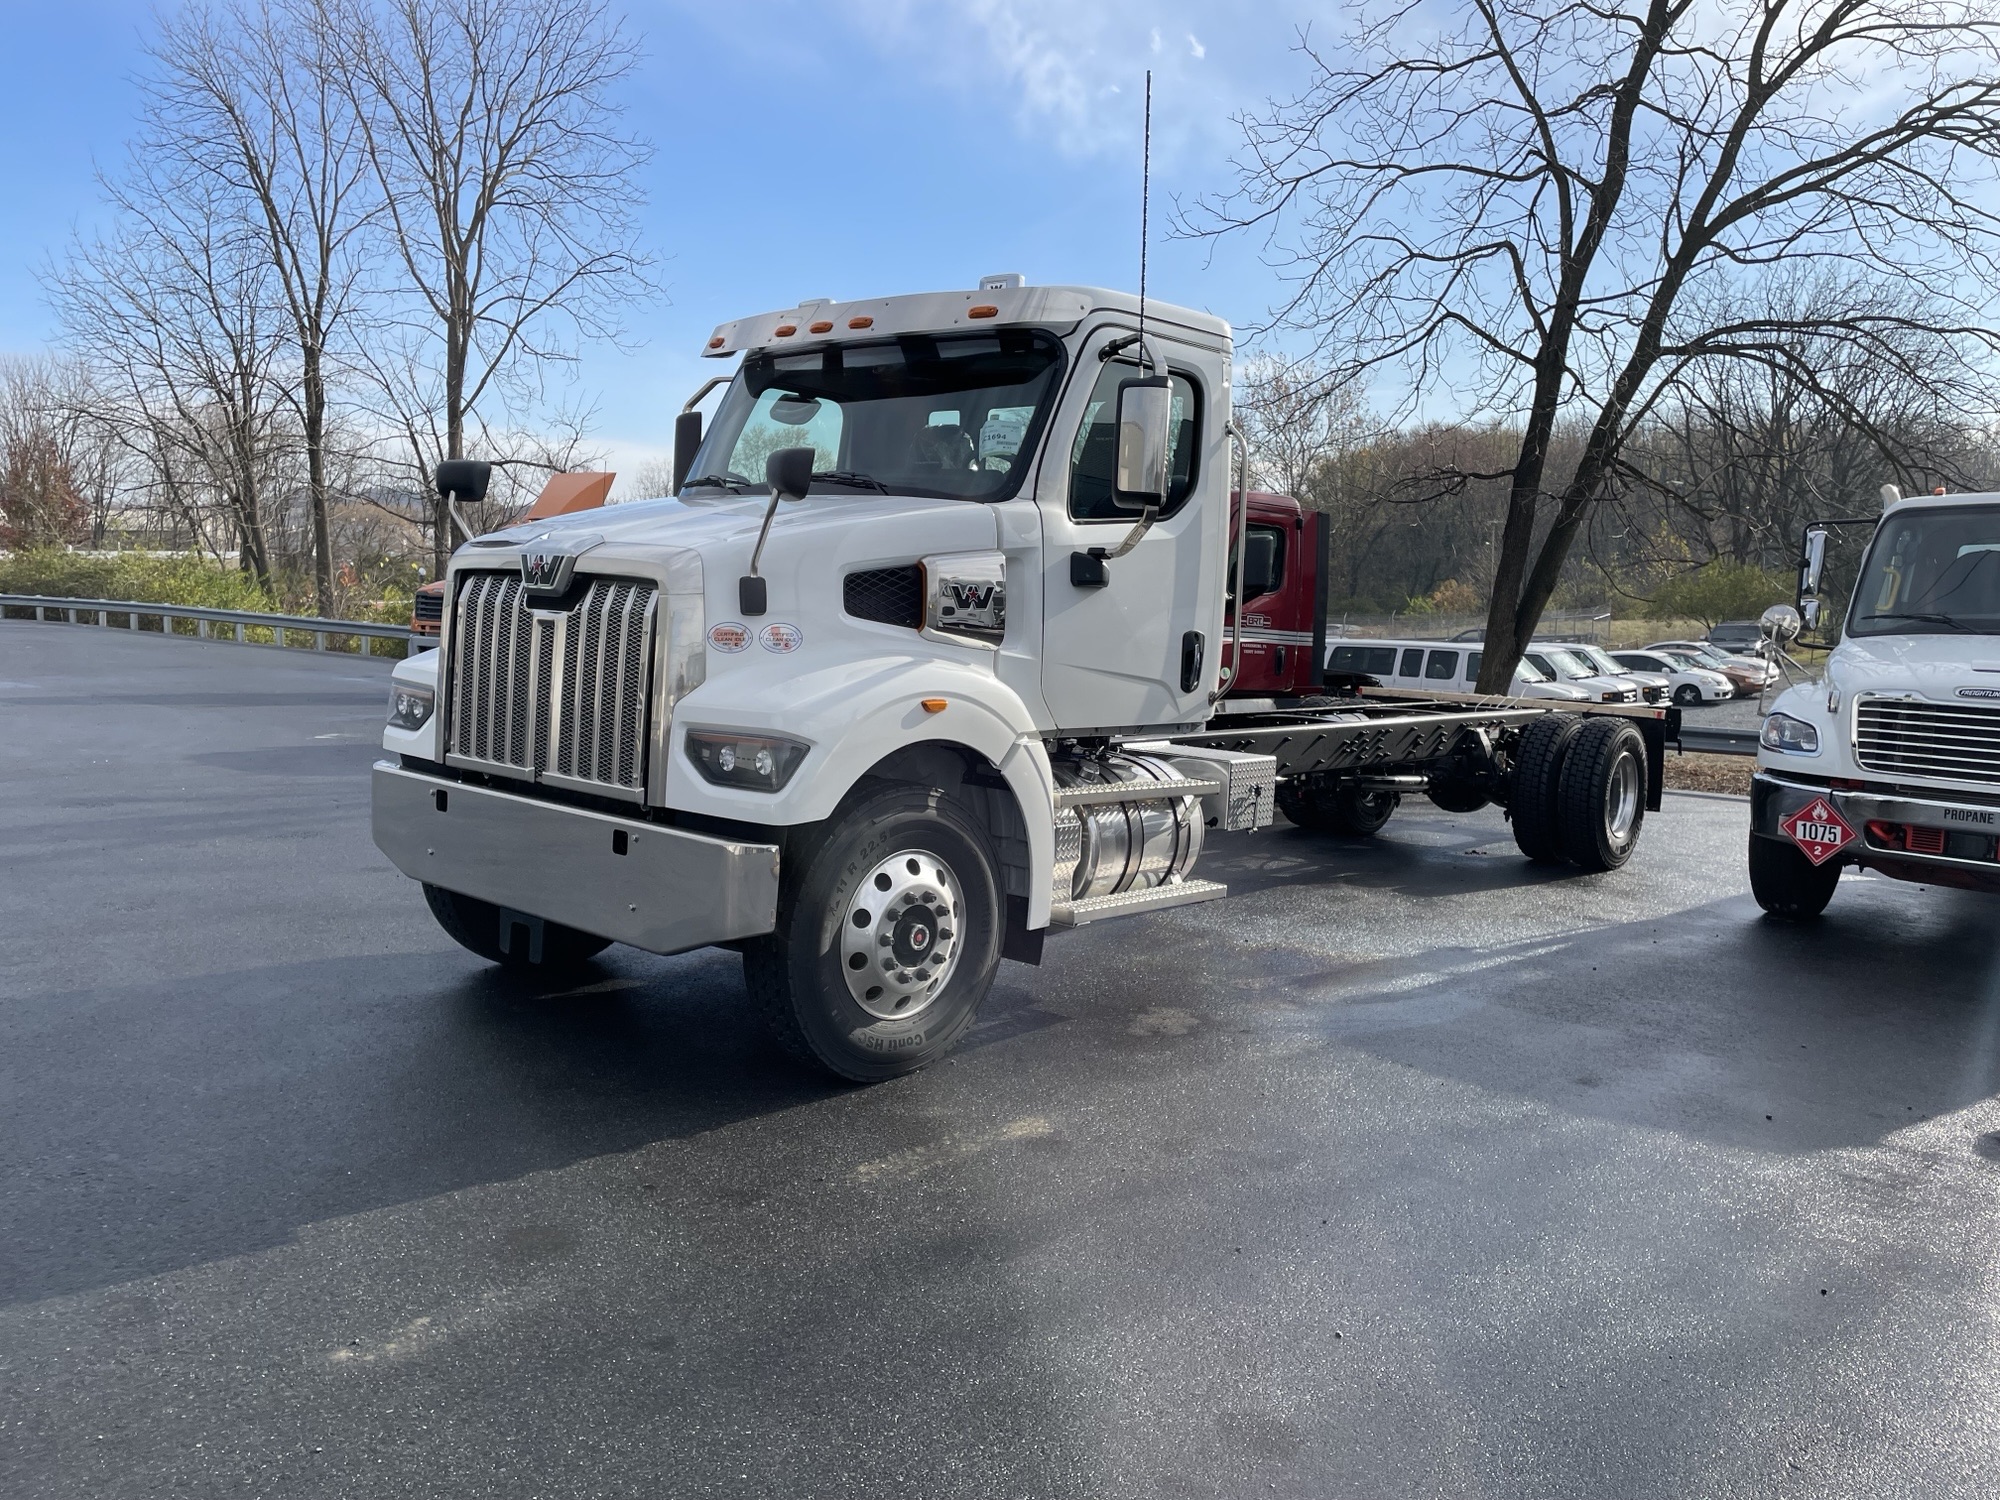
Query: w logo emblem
546	570
975	596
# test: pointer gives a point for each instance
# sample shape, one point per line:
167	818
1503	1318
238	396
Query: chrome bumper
1773	798
634	882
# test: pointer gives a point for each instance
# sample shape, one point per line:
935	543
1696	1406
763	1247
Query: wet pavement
1408	1170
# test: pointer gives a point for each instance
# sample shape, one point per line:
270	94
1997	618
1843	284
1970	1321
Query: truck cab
1890	759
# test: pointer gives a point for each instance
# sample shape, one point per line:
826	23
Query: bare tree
509	185
41	502
1537	209
247	96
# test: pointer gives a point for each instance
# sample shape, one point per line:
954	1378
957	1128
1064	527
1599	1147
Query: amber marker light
821	327
784	330
934	705
860	322
984	310
716	342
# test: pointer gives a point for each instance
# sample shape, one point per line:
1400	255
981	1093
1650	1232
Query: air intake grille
1950	741
428	606
889	596
558	698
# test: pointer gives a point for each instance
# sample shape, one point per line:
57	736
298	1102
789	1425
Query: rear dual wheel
1579	791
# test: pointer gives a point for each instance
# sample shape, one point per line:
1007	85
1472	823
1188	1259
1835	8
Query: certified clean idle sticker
1818	830
729	636
781	638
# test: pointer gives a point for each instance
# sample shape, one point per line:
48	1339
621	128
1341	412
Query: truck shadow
155	1128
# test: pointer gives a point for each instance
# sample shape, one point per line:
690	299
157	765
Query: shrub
1719	591
139	577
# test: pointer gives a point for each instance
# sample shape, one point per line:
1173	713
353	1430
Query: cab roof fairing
1058	308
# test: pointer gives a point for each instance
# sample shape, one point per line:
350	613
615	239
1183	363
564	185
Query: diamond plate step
1133	791
1159	898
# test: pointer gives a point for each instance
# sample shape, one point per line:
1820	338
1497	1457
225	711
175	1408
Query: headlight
409	707
1792	736
758	762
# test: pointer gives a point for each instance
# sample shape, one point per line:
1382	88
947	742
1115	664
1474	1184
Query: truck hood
1936	667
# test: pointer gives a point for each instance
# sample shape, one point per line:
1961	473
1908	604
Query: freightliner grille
1949	741
553	696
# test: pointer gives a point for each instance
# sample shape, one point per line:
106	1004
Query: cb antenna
1145	203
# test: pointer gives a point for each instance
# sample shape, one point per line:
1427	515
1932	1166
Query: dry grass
1710	773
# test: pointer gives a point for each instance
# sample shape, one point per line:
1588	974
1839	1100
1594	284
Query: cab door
1140	648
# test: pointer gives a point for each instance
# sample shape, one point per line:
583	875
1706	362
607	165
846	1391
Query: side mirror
1809	612
789	472
687	442
1145	428
463	479
1813	564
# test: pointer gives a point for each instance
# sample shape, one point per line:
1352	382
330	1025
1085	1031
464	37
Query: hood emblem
548	564
1979	692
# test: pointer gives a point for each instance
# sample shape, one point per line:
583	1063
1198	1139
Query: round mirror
1780	623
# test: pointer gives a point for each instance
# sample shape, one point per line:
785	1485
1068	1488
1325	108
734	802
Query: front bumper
658	888
1967	833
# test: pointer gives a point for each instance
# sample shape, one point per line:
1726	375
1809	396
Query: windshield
1931	570
949	416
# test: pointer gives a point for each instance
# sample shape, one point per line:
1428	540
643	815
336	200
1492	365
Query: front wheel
1687	695
887	939
1787	884
511	939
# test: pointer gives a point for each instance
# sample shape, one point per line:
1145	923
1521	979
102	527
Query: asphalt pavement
1410	1170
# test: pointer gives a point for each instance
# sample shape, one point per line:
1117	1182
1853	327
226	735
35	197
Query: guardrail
1718	741
205	621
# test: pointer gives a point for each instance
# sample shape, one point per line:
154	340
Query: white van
1438	667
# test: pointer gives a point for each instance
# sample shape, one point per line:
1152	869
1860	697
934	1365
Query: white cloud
1195	47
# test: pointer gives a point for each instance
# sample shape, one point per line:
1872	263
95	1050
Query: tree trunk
314	420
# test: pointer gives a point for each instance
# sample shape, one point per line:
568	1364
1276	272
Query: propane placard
1819	830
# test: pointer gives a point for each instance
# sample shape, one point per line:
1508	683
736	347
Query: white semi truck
1890	760
934	651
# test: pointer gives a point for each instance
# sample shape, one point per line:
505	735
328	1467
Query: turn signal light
934	705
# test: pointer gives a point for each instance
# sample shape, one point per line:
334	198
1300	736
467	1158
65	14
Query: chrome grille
557	696
1950	741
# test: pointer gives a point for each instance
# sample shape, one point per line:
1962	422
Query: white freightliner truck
934	650
1890	760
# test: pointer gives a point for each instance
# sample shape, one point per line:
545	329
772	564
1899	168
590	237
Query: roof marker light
716	342
784	330
984	310
862	322
822	326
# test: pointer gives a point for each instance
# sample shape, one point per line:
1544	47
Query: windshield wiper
733	482
1928	619
851	478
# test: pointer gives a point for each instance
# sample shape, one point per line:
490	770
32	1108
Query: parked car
1751	674
1439	668
1689	681
1741	637
1559	661
1654	686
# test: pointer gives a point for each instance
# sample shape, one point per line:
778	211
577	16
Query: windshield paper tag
1818	830
781	638
729	637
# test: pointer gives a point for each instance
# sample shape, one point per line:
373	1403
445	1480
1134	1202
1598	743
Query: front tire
887	939
1687	695
509	939
1787	884
1321	806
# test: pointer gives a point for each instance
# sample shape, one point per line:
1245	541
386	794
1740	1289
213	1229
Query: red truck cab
1283	614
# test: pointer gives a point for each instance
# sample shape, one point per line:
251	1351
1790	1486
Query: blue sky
843	148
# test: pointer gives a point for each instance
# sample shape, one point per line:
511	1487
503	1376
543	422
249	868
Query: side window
1347	659
1472	661
1413	663
1542	664
1381	661
1094	455
1442	667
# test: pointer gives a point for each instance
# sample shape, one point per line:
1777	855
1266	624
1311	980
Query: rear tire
1344	810
1787	885
1603	795
1534	799
888	936
508	940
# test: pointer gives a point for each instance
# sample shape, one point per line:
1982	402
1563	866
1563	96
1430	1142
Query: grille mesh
889	596
562	695
1952	741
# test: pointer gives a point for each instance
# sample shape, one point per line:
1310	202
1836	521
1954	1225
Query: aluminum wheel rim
900	934
1621	800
